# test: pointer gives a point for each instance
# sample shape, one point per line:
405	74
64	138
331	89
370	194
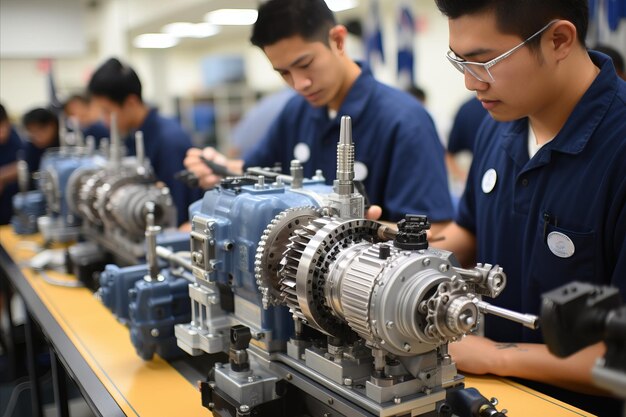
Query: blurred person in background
116	88
80	108
10	145
42	128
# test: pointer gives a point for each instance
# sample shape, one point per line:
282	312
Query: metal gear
306	263
273	244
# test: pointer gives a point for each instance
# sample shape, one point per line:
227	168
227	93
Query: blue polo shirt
33	154
98	130
166	145
398	154
8	155
558	217
466	124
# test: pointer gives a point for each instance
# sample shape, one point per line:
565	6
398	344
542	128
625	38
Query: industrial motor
321	310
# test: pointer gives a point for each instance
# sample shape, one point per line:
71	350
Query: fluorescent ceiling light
191	30
155	41
228	17
340	5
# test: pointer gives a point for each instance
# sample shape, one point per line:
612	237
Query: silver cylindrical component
152	231
168	255
297	174
124	207
23	175
139	149
115	151
343	185
528	320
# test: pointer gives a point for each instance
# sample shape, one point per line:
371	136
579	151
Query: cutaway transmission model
323	312
112	201
46	209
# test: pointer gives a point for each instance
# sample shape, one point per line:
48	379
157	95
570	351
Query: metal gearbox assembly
46	208
112	202
321	311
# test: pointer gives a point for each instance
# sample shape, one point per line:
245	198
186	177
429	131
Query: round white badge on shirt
360	171
489	180
302	152
561	245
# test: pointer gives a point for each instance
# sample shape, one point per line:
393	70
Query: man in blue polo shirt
546	194
398	154
10	144
116	88
42	126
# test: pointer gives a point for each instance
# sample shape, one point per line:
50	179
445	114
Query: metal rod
528	320
168	255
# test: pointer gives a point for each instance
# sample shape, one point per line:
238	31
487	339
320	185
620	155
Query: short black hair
3	114
281	19
618	61
523	17
41	117
115	81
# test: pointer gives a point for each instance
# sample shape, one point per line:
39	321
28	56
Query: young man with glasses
546	194
398	155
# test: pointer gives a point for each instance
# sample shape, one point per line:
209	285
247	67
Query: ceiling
148	16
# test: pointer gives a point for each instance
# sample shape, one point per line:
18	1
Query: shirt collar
355	101
580	125
149	120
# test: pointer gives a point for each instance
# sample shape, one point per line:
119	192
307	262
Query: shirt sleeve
271	148
170	161
417	181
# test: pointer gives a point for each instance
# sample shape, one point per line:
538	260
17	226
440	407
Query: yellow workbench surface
156	388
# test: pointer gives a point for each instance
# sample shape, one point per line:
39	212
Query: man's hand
206	176
373	213
476	355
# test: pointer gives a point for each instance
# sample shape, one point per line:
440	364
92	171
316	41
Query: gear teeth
291	261
271	247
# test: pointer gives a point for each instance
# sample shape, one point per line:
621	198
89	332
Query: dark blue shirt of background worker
81	110
466	123
115	88
398	155
10	145
166	144
557	217
42	126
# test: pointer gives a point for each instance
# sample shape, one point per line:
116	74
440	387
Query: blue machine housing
236	218
115	282
27	207
57	167
155	307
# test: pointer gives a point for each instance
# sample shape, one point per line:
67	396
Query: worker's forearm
535	362
8	173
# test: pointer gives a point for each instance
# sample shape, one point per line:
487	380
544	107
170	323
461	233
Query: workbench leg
59	384
35	390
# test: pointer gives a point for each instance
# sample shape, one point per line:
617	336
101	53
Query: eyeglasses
480	70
